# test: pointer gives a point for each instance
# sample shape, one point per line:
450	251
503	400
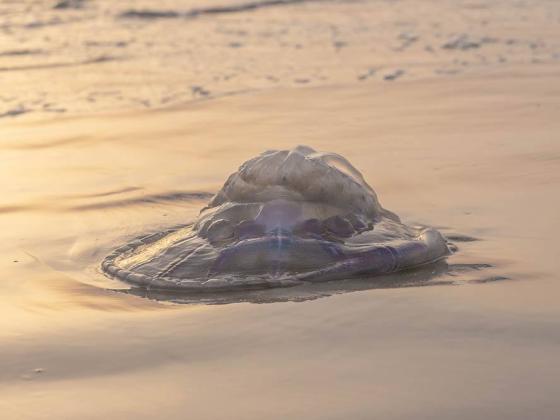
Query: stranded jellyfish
284	218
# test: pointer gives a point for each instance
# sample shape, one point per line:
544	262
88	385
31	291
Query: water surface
474	153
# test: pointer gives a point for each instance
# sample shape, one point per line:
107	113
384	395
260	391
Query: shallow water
140	54
475	154
472	156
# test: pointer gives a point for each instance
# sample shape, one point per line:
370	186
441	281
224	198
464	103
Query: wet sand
122	118
475	155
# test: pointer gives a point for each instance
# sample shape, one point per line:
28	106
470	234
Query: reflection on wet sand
473	155
437	274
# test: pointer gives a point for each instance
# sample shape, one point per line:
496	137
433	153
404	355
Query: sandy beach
121	120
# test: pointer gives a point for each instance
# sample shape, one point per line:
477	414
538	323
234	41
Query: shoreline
475	155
